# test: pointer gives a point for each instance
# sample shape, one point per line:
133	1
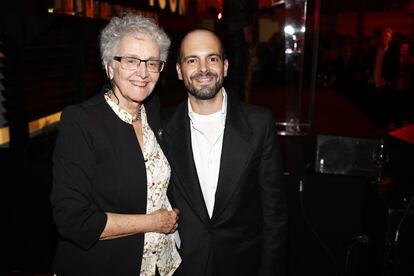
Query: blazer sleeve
76	216
274	204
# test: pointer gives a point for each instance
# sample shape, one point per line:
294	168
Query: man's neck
206	107
384	45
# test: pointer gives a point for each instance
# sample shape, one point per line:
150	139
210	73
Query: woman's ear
109	71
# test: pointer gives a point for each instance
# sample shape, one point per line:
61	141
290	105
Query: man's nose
203	66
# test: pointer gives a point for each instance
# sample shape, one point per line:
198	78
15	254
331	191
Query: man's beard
205	92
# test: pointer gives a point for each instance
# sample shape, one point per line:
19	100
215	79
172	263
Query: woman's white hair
119	27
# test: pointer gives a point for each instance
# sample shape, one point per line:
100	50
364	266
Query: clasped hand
165	221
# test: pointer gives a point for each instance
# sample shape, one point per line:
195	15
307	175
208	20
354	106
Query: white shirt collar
223	109
120	112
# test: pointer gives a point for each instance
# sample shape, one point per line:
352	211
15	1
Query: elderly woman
110	175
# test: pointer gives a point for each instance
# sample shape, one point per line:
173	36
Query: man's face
386	37
202	67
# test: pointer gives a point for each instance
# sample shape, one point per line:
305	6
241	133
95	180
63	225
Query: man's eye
191	61
214	59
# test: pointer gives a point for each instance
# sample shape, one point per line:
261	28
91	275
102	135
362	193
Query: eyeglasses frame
119	59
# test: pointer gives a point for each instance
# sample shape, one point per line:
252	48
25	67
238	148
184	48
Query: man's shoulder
169	112
253	110
259	116
166	112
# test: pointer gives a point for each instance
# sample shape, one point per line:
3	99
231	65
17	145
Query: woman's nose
142	70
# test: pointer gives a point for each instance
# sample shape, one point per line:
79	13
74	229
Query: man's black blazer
247	233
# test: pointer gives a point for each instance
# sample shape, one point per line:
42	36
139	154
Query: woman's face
404	48
134	86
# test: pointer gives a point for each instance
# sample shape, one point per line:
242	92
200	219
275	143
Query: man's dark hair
222	50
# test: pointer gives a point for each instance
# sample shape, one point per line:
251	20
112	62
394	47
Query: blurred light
4	136
162	4
303	29
289	29
277	2
173	5
36	127
219	16
50	10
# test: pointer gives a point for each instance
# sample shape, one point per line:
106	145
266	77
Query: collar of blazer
236	153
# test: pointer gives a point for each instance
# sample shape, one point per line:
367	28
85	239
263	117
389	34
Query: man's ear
178	68
226	67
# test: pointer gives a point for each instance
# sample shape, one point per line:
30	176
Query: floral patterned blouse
159	249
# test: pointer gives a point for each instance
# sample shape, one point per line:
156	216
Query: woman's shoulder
85	109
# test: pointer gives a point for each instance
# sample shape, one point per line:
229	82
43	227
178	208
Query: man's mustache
203	74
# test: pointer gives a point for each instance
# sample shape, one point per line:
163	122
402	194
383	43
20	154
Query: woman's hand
165	221
121	225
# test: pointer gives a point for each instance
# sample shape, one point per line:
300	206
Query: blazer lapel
234	156
182	162
152	107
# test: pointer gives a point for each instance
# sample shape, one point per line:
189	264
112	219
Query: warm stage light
277	2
